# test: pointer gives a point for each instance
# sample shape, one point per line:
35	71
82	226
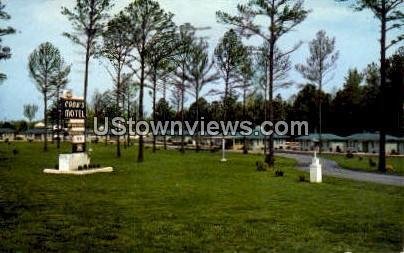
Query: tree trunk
85	90
197	118
140	157
320	118
182	110
164	115
123	110
59	118
266	105
118	110
45	100
154	106
382	148
245	148
129	116
269	158
226	94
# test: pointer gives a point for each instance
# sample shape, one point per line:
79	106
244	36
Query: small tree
5	52
59	82
186	37
159	61
30	111
88	19
247	74
44	65
199	74
117	47
129	90
321	62
147	22
229	55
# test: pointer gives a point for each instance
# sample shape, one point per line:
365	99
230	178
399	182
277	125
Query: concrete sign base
71	162
79	172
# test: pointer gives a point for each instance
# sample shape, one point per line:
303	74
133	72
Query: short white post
315	170
223	150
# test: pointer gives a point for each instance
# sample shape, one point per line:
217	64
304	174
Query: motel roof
7	131
258	135
370	137
37	131
324	137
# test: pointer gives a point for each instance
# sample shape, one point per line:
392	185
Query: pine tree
5	52
321	62
391	17
45	64
283	16
88	19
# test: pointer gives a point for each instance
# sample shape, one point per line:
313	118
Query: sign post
74	111
74	114
78	162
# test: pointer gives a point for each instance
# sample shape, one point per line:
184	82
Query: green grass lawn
189	203
356	163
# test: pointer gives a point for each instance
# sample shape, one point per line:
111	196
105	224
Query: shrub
360	158
85	167
302	178
349	155
15	151
56	167
279	173
261	166
98	166
372	163
30	140
389	168
80	167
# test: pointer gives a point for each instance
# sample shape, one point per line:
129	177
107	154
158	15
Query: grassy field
359	162
189	203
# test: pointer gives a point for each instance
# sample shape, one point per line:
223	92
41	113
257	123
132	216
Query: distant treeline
351	109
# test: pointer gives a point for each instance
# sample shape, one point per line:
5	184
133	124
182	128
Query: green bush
372	163
389	168
279	173
261	166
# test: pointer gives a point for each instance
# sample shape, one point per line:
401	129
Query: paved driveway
331	168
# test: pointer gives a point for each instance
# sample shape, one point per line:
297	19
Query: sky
38	21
